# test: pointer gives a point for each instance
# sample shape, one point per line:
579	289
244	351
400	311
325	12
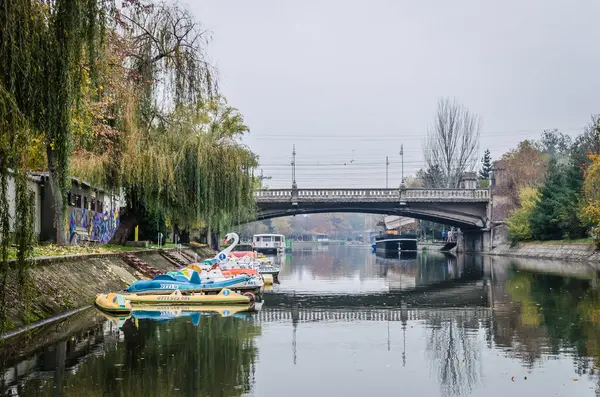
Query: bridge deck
463	208
374	195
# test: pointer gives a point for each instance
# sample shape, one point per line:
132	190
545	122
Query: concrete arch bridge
467	209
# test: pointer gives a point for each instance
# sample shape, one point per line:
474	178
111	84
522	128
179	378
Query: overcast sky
352	80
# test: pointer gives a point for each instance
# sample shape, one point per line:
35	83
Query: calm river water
342	322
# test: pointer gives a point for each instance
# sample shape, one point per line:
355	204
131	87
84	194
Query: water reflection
342	321
150	358
455	356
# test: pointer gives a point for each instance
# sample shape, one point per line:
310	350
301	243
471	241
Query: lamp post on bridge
402	156
402	190
294	186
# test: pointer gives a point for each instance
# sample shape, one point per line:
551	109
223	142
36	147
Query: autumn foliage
518	221
591	210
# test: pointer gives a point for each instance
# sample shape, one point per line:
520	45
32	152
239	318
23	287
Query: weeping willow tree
41	48
16	226
46	48
198	170
177	148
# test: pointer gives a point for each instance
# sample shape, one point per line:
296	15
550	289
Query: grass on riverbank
57	250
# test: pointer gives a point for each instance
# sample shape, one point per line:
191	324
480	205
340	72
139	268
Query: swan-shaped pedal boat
172	282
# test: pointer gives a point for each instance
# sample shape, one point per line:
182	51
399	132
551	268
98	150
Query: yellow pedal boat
226	296
113	303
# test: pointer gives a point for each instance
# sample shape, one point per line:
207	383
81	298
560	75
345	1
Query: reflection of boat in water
399	270
170	312
399	255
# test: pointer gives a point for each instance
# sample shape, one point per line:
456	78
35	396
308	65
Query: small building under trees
91	211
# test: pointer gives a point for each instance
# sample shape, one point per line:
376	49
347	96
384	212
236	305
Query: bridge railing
273	194
278	195
450	194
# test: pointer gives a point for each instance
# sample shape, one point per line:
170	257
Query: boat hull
267	250
225	297
396	243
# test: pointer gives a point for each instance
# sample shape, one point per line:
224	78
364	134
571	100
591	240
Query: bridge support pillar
474	241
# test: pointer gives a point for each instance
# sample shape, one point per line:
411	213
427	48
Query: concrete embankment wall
59	284
556	251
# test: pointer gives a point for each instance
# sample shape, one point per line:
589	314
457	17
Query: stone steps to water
191	258
176	260
140	265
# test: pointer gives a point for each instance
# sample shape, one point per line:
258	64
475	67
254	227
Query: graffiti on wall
100	226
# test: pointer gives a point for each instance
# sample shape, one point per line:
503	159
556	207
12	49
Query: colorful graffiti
99	226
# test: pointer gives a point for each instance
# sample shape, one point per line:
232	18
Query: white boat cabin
268	242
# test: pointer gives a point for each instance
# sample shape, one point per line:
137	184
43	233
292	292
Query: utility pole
294	186
402	155
387	164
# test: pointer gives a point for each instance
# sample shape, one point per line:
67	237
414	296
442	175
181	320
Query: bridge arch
460	220
463	208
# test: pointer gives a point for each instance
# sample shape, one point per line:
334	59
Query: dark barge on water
391	241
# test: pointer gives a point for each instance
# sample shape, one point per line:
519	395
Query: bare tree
452	143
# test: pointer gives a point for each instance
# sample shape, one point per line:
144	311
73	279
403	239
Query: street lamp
294	186
402	155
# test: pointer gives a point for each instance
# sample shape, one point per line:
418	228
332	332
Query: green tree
486	169
555	144
46	48
588	143
174	145
556	215
486	166
518	220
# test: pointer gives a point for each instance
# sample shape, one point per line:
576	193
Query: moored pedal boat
226	296
269	269
113	303
168	283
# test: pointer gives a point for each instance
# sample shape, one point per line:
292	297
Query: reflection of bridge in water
466	316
